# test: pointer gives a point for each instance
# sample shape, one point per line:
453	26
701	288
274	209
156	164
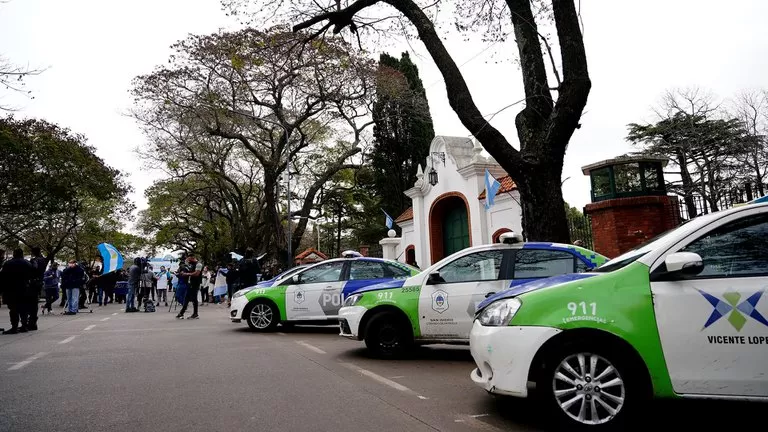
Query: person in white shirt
163	280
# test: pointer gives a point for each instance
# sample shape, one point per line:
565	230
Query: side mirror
294	280
684	264
489	294
435	278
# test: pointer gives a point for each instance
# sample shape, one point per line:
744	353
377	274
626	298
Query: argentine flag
112	258
388	221
491	188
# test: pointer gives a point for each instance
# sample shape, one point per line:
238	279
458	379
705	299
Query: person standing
134	275
35	288
231	278
72	282
146	282
163	281
14	278
2	261
204	285
51	280
194	275
248	269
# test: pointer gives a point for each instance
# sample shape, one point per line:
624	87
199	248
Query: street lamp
432	176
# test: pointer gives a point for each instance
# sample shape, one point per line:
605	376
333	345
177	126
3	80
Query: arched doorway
448	225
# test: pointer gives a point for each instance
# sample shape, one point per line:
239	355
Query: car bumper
349	321
236	308
503	356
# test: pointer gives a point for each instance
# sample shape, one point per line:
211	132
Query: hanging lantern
432	177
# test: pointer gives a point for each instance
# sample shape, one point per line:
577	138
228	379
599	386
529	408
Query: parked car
438	305
312	294
682	316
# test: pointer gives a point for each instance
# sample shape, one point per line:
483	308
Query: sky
636	50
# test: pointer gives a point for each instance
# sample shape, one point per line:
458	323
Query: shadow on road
436	353
666	414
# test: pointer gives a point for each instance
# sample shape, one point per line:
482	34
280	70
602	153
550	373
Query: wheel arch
266	300
572	337
380	310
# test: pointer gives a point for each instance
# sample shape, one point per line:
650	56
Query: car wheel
588	387
387	336
261	316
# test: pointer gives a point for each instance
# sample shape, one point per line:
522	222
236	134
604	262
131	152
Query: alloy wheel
261	316
588	388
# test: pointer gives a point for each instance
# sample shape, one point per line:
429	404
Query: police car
683	316
313	294
438	305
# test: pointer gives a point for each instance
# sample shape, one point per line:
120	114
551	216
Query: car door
316	293
533	264
714	326
363	273
447	306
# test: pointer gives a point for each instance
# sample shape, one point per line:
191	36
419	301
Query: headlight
353	299
240	293
500	313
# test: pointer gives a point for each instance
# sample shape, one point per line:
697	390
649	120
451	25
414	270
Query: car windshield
633	255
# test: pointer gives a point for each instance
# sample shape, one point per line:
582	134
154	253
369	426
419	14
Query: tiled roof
507	185
309	252
407	215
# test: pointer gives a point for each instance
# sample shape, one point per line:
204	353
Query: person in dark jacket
51	280
248	269
32	295
72	281
14	278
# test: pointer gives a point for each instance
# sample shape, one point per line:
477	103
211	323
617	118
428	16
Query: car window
540	263
330	272
581	266
738	248
393	271
479	266
365	270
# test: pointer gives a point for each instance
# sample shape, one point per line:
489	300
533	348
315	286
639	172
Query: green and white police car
438	305
682	316
313	294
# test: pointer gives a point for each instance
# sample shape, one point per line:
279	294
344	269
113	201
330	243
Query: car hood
395	283
534	286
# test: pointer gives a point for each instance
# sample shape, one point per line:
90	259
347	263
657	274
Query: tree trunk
278	234
541	197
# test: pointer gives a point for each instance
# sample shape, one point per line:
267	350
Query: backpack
149	306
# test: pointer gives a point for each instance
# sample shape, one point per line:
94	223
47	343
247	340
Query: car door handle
329	288
489	294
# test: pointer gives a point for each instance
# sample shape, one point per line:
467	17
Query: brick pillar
620	224
364	250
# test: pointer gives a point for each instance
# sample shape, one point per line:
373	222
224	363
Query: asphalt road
111	371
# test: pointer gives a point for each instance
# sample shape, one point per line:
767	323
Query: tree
12	78
54	185
751	108
544	126
285	104
704	147
402	131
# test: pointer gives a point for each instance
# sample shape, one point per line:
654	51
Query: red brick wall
620	224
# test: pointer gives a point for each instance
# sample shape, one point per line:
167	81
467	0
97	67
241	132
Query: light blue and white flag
220	287
388	221
491	188
112	258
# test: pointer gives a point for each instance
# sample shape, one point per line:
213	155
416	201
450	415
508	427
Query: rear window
533	263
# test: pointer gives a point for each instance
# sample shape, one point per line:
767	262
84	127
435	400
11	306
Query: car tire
261	316
388	336
599	396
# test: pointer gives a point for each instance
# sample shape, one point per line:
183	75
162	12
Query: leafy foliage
402	132
697	139
234	111
551	114
56	186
